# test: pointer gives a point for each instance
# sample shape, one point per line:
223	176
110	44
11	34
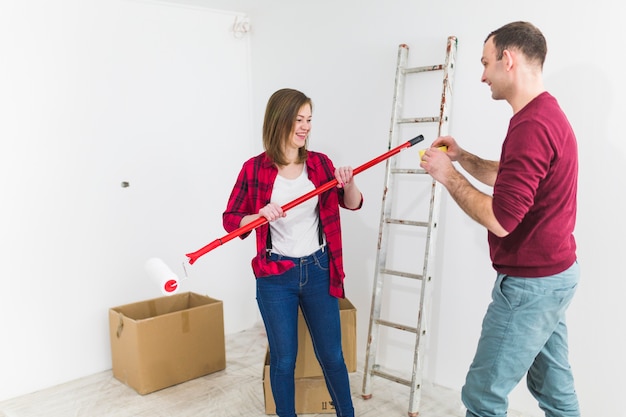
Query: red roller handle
193	257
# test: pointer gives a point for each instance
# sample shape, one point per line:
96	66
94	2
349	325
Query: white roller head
160	273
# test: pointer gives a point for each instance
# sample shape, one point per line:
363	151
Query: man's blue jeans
278	296
524	332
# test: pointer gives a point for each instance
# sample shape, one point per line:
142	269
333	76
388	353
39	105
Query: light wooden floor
237	391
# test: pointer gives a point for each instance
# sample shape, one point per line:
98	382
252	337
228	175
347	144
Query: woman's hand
272	211
344	176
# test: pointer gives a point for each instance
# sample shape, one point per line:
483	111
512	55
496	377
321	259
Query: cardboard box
164	341
312	396
306	362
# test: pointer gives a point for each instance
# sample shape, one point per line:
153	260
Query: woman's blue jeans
524	332
279	296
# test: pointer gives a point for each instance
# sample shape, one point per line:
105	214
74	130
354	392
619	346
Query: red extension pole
193	257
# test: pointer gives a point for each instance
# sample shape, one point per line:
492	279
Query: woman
299	253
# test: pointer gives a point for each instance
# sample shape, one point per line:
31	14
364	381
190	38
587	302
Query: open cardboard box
312	396
164	341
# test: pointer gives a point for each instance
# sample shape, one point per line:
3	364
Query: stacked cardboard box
312	396
164	341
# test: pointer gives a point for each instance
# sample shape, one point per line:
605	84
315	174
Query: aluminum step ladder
424	229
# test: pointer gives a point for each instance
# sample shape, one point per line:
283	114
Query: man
530	219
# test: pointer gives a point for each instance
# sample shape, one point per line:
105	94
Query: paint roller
161	274
193	257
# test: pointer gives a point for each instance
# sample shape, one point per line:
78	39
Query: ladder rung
408	171
431	119
425	68
401	274
391	377
397	326
406	222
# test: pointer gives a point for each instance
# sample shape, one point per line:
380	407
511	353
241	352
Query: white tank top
295	235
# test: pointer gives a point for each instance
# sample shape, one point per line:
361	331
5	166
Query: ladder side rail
434	212
381	255
448	82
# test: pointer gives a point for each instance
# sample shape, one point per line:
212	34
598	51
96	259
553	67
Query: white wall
95	93
343	55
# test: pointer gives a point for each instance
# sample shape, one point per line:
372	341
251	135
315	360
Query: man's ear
508	59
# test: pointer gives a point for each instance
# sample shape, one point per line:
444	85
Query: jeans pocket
322	261
512	291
